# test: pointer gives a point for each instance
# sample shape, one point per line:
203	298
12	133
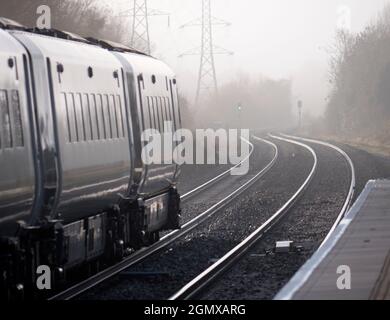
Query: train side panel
156	98
86	88
17	169
71	119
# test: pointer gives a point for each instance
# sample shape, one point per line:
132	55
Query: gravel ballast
262	273
160	276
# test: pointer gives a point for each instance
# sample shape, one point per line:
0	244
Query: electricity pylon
140	38
207	79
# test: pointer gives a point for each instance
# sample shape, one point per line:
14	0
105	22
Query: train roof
115	46
6	23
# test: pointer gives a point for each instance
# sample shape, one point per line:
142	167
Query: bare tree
359	102
87	17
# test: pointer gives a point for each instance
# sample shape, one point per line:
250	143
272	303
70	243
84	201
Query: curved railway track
224	174
349	199
346	206
211	274
167	240
214	271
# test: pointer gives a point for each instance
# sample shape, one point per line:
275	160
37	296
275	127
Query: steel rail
208	276
187	195
296	283
351	192
164	242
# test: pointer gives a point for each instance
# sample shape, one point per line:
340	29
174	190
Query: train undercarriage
82	248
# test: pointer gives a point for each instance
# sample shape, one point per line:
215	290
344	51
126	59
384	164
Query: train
74	186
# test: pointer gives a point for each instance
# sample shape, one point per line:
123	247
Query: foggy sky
273	38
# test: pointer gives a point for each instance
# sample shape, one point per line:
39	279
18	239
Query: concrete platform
359	247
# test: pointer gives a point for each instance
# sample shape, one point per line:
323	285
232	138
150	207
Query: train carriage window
163	105
5	121
120	116
114	117
159	115
167	109
72	118
164	111
94	117
152	115
150	111
155	123
168	106
79	118
66	108
17	119
87	117
101	117
107	121
163	115
156	116
171	112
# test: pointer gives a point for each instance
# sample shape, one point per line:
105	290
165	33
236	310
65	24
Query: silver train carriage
73	186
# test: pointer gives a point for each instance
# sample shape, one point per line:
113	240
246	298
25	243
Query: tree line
86	18
359	100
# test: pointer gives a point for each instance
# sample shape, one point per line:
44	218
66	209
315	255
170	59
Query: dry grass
376	144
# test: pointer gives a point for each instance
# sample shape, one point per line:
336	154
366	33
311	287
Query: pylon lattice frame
140	13
207	78
140	32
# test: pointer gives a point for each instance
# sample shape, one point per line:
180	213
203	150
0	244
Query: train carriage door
142	107
18	170
50	164
175	111
175	103
136	122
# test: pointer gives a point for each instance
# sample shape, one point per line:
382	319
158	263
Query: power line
140	13
207	78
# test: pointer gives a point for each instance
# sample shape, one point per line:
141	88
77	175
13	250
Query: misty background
333	55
